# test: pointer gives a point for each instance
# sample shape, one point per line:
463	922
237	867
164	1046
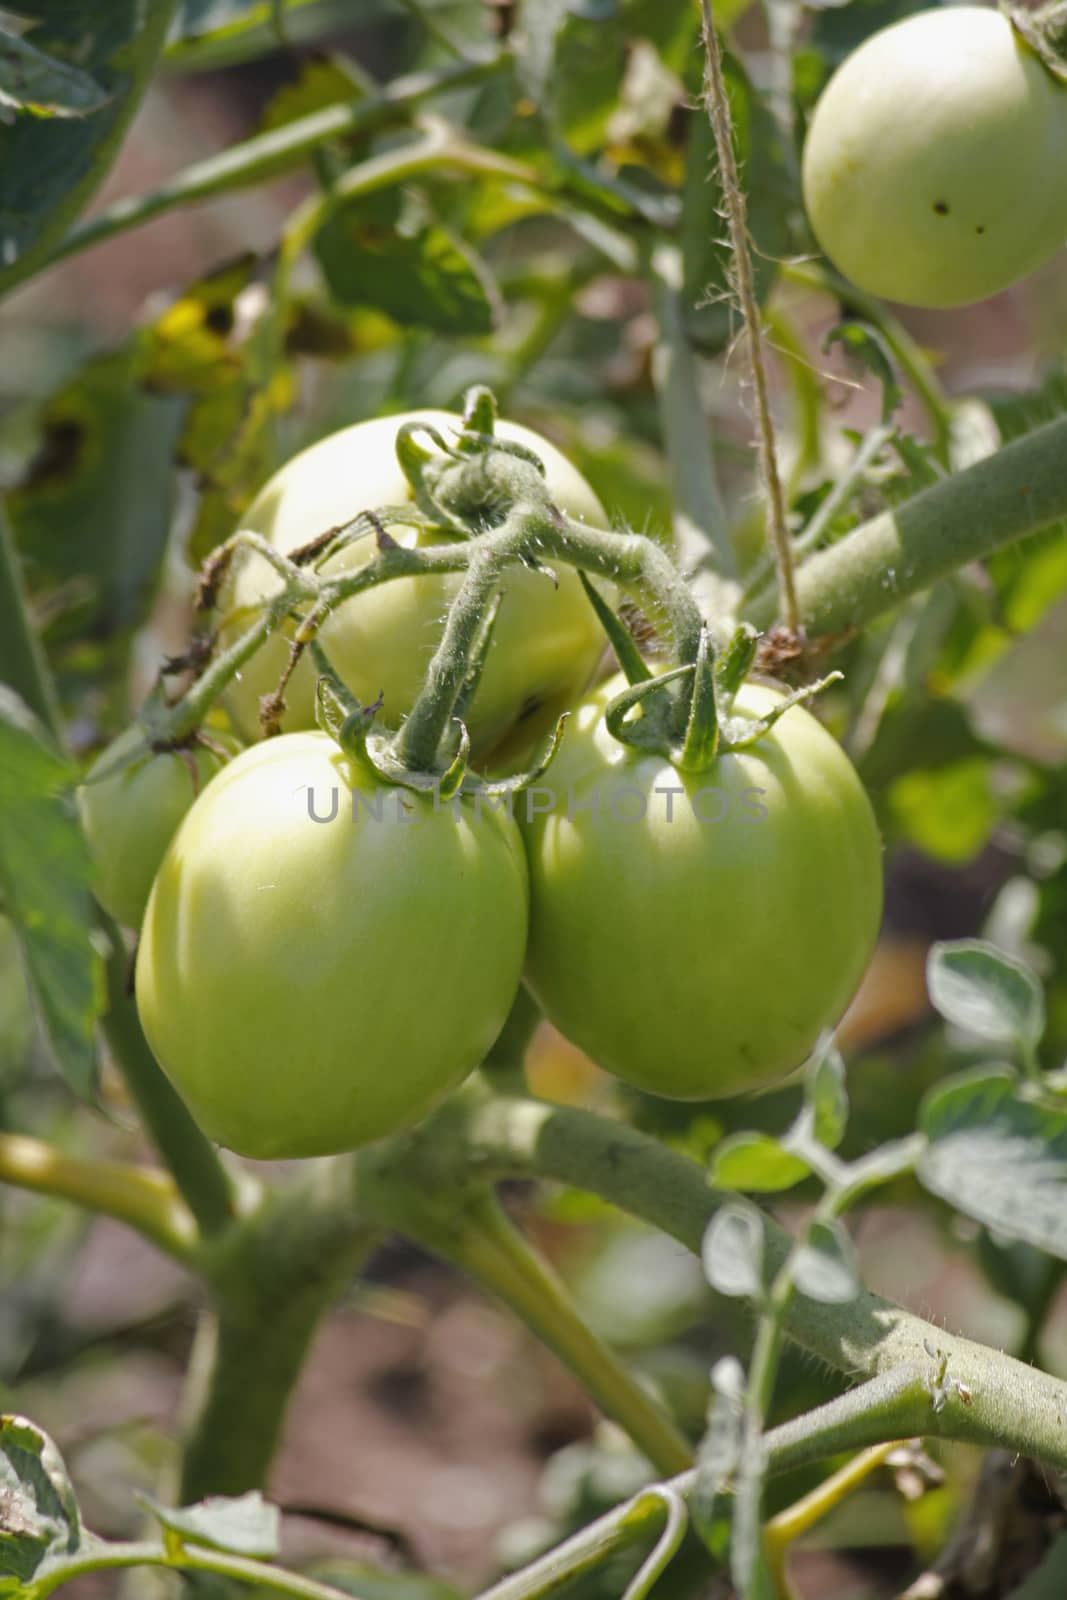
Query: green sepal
701	743
451	781
620	638
734	663
742	732
521	780
479	414
650	733
413	459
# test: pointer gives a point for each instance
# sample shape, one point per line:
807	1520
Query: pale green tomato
695	934
935	168
323	958
547	639
129	817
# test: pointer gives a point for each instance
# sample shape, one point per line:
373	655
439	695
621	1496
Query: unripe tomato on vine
546	640
130	809
324	957
935	166
694	932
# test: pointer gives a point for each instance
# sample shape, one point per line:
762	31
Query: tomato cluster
325	955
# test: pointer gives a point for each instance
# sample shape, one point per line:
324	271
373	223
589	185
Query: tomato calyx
1044	29
694	727
352	726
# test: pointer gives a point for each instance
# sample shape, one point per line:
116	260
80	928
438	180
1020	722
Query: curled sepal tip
619	636
414	459
649	732
701	743
740	732
521	780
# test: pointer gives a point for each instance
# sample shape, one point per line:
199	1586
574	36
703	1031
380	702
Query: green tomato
324	958
129	817
695	934
935	168
547	639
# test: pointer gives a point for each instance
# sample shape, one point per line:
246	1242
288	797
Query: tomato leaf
998	1157
246	1525
92	513
39	1521
824	1266
718	1454
978	988
52	165
732	1253
31	80
756	1163
389	252
45	874
826	1094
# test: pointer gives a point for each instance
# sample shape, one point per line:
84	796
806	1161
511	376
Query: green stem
505	1063
194	1161
893	1407
420	737
22	661
1001	499
141	1197
998	1397
272	155
104	1556
701	531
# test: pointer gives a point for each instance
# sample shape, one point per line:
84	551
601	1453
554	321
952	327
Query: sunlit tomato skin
935	167
130	817
696	944
546	640
312	985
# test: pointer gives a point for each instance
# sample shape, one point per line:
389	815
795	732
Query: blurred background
429	1428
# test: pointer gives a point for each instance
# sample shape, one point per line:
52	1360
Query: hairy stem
986	1395
1019	490
888	1408
717	104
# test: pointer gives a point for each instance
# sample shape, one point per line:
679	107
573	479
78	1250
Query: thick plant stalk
983	1396
275	1276
464	1224
1018	491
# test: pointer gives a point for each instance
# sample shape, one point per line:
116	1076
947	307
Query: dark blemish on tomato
980	228
941	207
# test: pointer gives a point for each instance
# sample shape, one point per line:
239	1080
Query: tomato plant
291	914
546	640
472	1006
130	809
695	932
935	168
